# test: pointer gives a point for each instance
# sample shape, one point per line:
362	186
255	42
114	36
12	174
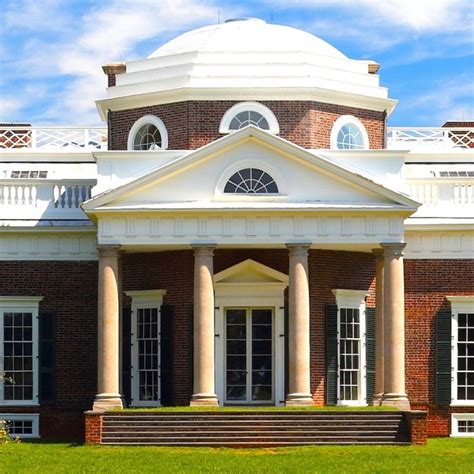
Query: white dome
247	35
247	60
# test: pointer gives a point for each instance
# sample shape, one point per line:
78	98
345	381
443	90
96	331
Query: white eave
136	99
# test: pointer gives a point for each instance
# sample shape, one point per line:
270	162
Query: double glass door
249	349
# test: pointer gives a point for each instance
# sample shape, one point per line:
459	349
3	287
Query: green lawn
441	455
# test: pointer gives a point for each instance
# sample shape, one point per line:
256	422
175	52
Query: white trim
143	299
459	304
227	174
455	418
34	417
148	119
252	107
345	120
26	304
353	299
251	293
136	99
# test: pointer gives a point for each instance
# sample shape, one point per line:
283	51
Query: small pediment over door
248	273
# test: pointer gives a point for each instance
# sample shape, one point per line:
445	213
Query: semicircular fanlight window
251	181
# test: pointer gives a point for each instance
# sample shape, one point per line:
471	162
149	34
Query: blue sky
51	51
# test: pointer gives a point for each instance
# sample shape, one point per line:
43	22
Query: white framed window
348	133
462	350
146	346
21	425
19	350
148	133
249	113
351	348
462	425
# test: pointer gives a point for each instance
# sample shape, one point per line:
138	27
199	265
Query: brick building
246	231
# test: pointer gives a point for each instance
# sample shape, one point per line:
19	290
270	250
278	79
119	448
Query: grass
440	455
257	408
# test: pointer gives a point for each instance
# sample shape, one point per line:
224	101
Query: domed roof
247	60
247	35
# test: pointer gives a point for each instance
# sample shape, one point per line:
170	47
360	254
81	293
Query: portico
251	325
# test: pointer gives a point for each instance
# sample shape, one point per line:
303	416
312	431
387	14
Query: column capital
298	248
108	250
378	253
393	249
203	249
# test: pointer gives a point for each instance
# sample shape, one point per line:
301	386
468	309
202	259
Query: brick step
257	444
253	439
249	427
237	418
199	434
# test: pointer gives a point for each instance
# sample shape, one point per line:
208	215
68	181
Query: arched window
249	113
148	133
251	181
348	133
249	117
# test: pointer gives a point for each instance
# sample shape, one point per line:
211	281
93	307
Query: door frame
143	299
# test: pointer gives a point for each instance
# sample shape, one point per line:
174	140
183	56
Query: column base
204	400
396	400
299	399
107	401
377	400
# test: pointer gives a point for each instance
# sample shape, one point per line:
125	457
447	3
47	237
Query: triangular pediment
195	181
250	271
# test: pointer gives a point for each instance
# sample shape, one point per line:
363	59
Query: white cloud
109	32
446	99
414	15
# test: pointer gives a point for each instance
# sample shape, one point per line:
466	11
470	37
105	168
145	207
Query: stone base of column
396	400
377	400
107	401
204	400
299	399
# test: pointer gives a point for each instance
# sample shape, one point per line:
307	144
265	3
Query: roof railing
422	137
53	138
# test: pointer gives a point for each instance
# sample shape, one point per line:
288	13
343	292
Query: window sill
469	403
18	404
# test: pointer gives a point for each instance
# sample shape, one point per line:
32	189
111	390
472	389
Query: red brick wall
427	283
193	124
70	291
173	271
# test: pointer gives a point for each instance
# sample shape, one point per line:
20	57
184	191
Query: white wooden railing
53	138
44	194
441	137
436	192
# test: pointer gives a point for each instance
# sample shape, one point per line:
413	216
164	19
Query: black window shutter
191	349
331	354
166	355
47	357
127	355
370	353
286	323
443	357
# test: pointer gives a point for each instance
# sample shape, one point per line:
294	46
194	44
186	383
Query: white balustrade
18	194
436	192
444	137
64	138
70	196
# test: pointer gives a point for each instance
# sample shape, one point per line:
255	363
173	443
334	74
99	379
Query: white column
379	321
204	392
299	327
108	395
394	327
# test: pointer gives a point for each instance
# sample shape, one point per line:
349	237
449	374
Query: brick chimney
112	69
